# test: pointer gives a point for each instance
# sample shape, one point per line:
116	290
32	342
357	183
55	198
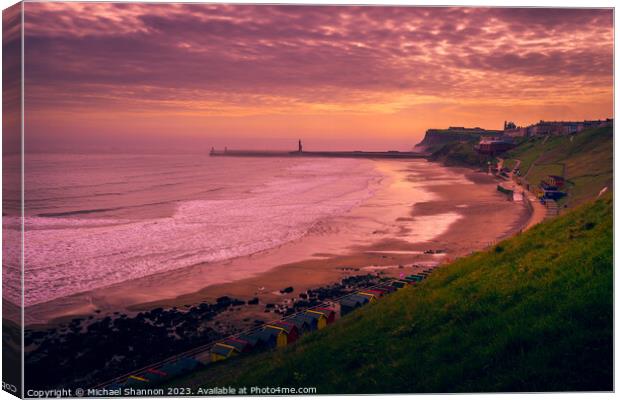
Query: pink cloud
105	55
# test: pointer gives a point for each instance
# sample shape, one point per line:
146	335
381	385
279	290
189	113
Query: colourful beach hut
372	298
157	372
273	336
152	377
416	278
329	313
387	288
319	319
222	351
242	346
179	366
114	386
399	284
303	323
378	292
136	381
290	330
254	339
351	302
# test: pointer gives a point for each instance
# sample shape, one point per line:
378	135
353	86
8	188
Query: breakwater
332	154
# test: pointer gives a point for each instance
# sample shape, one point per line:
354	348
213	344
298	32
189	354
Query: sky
253	76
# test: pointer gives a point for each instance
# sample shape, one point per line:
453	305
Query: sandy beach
451	211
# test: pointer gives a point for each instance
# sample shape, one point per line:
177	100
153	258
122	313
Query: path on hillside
539	212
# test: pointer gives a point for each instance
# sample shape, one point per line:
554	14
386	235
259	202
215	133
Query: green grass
535	313
460	154
527	152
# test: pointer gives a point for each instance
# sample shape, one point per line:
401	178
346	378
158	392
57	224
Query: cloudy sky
257	76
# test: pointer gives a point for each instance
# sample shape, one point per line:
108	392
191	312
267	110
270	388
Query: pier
332	154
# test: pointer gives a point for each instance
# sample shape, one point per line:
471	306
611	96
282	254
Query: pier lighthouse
301	148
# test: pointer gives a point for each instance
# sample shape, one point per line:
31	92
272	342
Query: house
494	146
222	351
319	320
565	127
351	302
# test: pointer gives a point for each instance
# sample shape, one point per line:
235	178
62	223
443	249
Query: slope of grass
535	313
460	154
586	160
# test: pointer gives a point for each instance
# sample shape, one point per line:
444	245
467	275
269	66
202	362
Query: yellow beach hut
222	351
319	317
372	298
277	334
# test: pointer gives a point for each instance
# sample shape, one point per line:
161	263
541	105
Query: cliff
440	137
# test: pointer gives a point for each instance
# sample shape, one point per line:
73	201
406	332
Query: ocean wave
66	254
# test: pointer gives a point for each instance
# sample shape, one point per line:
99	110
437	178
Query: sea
93	220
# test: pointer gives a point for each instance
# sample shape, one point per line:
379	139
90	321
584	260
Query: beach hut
152	376
156	372
136	381
387	288
222	351
372	298
329	313
399	284
291	331
254	339
179	366
273	336
114	386
375	292
351	302
303	323
319	319
242	346
416	278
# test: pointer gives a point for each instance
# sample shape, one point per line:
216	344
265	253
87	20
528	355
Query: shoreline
301	269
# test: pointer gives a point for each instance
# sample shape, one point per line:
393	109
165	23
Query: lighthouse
300	149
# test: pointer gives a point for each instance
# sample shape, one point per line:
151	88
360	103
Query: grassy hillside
535	313
584	159
460	154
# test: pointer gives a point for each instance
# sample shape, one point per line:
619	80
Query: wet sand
427	206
